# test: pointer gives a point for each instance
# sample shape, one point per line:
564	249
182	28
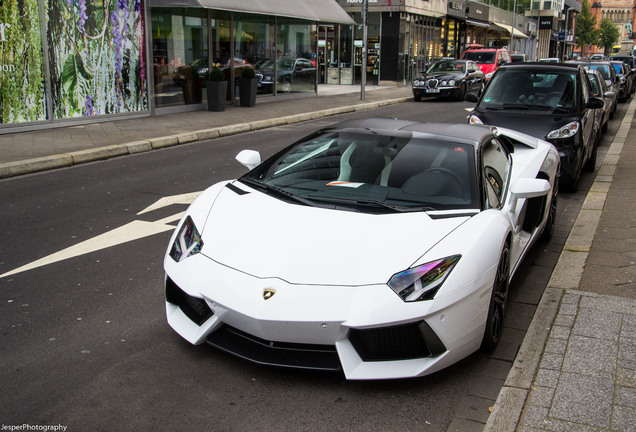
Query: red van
488	59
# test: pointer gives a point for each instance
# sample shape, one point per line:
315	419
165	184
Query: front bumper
436	92
368	332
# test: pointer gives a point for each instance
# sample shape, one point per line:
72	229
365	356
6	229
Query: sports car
382	248
452	78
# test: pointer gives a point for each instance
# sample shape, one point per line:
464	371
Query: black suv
550	101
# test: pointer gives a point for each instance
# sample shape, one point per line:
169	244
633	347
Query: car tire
462	93
590	165
417	98
497	307
548	229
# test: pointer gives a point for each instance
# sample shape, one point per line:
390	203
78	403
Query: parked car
626	79
290	72
450	78
549	101
597	57
608	73
470	199
629	60
600	90
488	59
518	58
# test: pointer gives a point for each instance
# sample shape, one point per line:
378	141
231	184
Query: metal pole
514	23
365	9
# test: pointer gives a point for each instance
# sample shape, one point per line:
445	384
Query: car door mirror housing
249	158
594	103
527	188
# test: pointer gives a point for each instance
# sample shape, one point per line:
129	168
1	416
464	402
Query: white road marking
134	230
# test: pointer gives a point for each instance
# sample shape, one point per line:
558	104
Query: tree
608	35
586	32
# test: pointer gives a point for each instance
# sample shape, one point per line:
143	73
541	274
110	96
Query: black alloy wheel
496	310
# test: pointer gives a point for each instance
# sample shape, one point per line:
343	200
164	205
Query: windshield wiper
281	192
366	202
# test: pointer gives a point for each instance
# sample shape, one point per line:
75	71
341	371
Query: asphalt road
85	343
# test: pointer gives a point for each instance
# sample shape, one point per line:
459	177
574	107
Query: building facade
77	61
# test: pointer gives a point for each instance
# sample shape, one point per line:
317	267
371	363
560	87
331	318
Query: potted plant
216	88
247	87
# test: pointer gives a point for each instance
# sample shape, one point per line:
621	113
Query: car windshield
447	66
481	57
532	89
372	172
618	68
603	69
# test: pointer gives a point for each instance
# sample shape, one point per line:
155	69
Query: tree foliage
586	31
608	34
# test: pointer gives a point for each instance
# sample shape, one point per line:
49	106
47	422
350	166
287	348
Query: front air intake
401	342
193	307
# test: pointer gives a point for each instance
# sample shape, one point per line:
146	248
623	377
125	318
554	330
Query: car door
587	115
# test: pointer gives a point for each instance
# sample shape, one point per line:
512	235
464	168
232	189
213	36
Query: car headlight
417	83
566	131
444	83
267	78
489	75
474	120
451	83
422	282
187	243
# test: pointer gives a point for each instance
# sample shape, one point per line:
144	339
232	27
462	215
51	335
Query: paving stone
625	396
474	408
623	419
625	376
485	387
568	309
589	356
583	399
559	332
598	324
541	396
556	346
547	378
551	361
535	416
564	320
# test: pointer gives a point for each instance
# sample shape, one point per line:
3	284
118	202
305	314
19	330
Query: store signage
545	23
477	11
456	8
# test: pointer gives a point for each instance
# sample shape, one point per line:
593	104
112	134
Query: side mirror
595	103
472	97
527	188
609	94
249	158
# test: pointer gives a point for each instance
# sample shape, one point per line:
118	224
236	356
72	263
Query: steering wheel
448	173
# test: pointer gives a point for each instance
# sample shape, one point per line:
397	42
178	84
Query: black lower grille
257	350
402	342
193	307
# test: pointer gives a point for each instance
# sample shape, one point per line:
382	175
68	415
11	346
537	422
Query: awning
325	11
478	23
508	29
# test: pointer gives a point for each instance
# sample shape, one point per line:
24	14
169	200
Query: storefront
65	60
403	36
80	61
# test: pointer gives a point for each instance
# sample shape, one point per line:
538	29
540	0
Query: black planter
247	91
217	91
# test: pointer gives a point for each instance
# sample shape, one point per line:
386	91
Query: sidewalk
576	368
26	152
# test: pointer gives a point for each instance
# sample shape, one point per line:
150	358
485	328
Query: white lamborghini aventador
383	248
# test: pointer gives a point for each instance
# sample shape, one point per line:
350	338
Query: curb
12	169
567	274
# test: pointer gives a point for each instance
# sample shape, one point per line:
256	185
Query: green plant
216	74
248	73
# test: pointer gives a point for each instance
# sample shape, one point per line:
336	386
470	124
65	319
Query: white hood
267	237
